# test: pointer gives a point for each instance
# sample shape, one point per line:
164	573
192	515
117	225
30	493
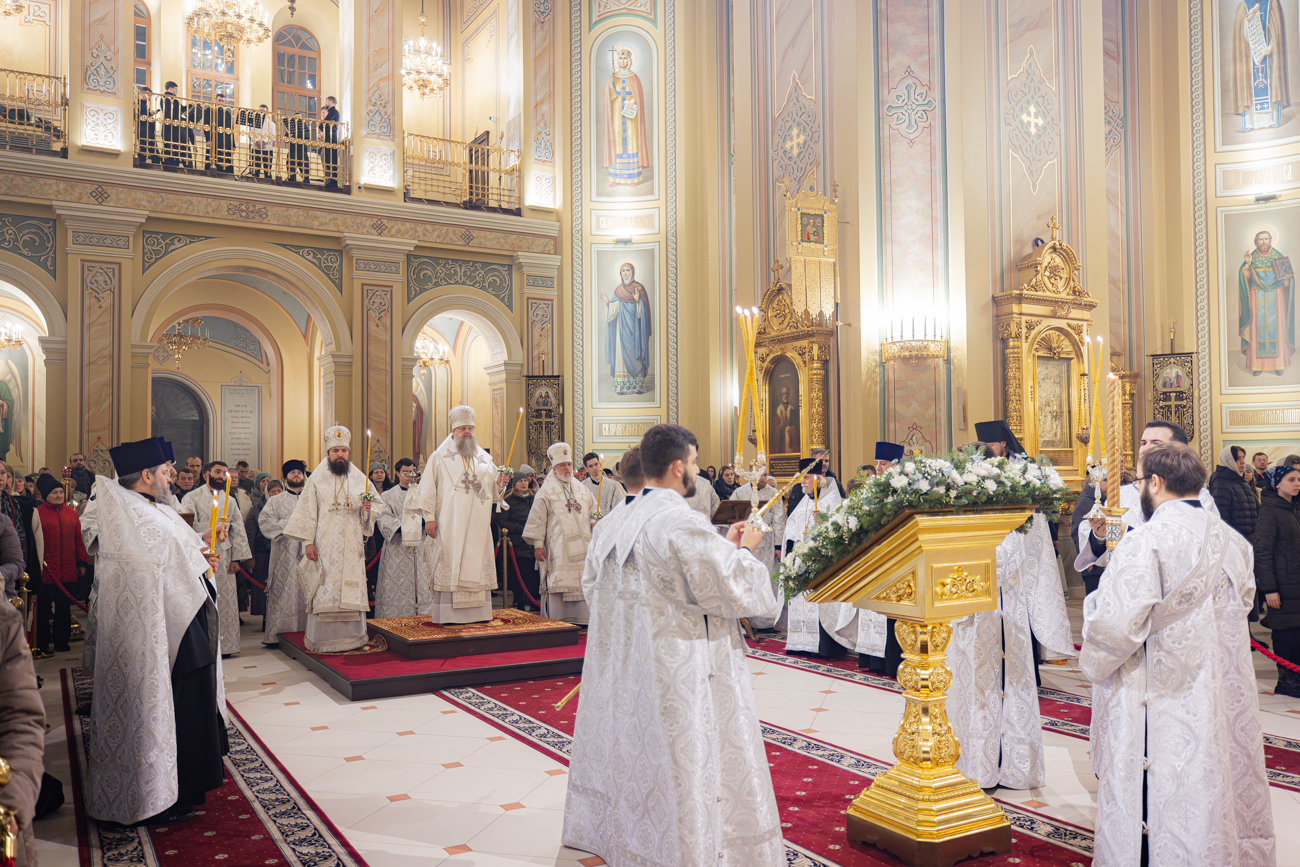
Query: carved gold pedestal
926	570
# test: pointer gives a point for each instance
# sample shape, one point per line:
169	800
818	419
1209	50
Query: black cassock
200	729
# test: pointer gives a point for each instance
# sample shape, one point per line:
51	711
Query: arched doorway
178	415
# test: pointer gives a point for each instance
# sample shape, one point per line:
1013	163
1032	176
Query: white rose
909	467
923	486
970	478
853	523
898	482
990	485
940	489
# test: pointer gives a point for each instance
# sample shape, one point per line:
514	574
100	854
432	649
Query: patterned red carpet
259	816
814	782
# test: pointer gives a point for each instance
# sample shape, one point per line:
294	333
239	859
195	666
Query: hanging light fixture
10	8
11	336
184	336
229	22
424	71
429	354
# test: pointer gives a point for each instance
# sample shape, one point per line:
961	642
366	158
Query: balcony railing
469	175
33	112
215	138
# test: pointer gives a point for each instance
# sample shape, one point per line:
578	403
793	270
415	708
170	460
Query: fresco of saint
1261	85
627	147
1265	293
627	332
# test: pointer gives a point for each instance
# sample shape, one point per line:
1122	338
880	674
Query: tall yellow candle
367	460
212	523
510	461
225	510
1096	401
1113	459
600	482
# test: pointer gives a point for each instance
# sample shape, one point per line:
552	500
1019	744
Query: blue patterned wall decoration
33	238
426	273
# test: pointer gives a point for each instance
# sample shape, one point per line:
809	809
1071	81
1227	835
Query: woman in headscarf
258	494
1232	494
512	518
1277	569
711	474
727	484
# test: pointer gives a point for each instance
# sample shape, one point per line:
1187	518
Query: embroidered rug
1060	711
259	815
814	782
505	621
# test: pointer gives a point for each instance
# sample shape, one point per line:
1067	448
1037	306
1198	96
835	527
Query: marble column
541	277
57	449
506	380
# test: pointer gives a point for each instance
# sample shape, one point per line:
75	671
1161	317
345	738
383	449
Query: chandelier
423	69
228	22
11	336
430	355
12	7
184	336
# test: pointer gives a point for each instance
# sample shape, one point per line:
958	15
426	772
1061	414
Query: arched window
142	54
297	61
212	69
178	417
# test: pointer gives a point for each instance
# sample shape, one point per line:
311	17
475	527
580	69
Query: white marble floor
415	781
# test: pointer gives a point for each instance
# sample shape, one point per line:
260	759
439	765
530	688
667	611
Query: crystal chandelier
12	7
11	336
429	354
182	337
423	69
229	22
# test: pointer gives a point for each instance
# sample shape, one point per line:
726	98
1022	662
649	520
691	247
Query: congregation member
157	733
20	509
233	549
405	583
63	560
22	736
184	483
333	519
457	491
1259	460
285	609
1176	741
175	136
194	464
1233	495
669	764
633	474
511	518
559	530
261	134
1277	570
82	478
756	495
607	492
329	134
727	484
261	548
824	629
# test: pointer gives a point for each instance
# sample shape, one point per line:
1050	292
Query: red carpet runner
1061	712
812	780
259	816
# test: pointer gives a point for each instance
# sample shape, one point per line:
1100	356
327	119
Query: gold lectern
926	569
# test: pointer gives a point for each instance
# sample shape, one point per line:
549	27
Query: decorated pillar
541	273
100	78
506	380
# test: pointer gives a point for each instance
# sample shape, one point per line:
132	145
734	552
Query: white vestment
285	609
405	585
1129	498
329	516
1166	646
149	571
766	551
199	501
669	765
993	700
705	500
460	556
560	524
840	619
611	494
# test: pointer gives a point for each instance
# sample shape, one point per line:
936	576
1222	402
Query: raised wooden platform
416	637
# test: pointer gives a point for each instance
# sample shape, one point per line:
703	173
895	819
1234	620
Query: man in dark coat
1233	494
1277	569
513	517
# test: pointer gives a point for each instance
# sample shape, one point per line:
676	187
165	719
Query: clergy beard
467	447
688	481
161	489
339	467
1148	504
291	486
216	485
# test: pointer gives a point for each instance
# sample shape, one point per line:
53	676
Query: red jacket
64	548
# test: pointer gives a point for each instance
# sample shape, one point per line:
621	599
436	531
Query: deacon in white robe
457	490
156	729
405	585
669	765
1175	702
333	520
705	500
286	611
807	620
559	529
233	550
766	551
607	492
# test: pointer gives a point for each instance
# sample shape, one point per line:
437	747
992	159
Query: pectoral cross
469	483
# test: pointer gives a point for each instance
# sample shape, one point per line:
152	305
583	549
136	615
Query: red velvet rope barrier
64	591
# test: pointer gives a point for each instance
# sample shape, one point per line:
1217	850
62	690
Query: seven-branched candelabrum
961	481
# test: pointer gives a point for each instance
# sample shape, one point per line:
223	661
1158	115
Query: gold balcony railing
209	137
461	173
33	112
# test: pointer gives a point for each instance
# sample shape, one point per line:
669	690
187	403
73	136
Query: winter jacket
1236	501
513	520
64	548
22	728
12	561
1277	559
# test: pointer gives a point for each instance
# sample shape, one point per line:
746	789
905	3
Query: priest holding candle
213	505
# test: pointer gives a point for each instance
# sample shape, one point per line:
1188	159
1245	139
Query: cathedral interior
896	218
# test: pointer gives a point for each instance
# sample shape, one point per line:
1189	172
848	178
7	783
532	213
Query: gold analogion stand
926	569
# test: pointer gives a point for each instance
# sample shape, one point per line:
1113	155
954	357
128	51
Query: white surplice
705	499
285	609
329	515
150	578
1129	498
611	494
840	619
234	548
766	551
1166	645
459	499
405	584
669	765
560	524
993	700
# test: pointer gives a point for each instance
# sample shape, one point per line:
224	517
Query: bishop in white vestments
285	609
766	551
333	519
454	500
669	765
559	529
823	629
157	733
1175	701
405	585
233	549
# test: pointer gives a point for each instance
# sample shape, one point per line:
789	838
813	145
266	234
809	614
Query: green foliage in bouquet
963	480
